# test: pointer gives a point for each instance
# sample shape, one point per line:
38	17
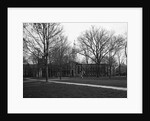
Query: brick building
71	69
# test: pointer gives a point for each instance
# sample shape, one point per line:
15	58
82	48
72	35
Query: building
71	69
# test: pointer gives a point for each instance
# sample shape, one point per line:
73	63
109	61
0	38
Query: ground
40	89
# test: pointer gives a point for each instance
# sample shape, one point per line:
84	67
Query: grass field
115	81
39	89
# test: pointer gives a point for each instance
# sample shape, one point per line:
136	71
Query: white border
18	104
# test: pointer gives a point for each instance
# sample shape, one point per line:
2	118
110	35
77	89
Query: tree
59	54
120	58
119	62
111	64
41	37
25	61
115	46
126	51
97	43
94	41
86	54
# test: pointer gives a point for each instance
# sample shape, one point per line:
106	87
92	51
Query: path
78	84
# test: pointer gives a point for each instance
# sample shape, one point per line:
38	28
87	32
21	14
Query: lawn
114	81
38	89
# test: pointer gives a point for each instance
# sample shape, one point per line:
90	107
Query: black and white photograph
74	60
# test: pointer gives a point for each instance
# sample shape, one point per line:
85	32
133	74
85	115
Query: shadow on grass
51	90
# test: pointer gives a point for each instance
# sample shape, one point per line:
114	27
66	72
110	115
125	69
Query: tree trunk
38	68
47	46
60	75
126	72
97	69
38	72
60	71
46	69
109	71
119	70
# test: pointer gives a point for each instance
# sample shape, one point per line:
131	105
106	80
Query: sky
73	30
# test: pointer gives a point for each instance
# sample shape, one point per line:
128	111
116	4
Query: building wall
72	69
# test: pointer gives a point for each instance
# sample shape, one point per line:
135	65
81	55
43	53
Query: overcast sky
73	30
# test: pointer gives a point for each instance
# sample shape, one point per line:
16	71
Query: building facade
71	69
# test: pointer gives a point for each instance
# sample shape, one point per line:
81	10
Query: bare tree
120	61
125	46
115	46
126	51
86	53
94	41
111	64
25	61
41	37
59	54
98	43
